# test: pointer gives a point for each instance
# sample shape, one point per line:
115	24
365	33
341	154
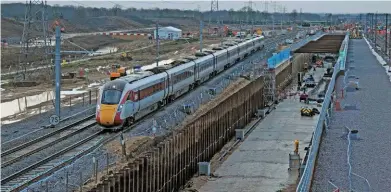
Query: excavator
117	71
126	56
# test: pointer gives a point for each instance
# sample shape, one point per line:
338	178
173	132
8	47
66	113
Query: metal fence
324	120
172	162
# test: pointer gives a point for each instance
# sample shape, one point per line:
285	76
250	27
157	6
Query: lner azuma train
127	99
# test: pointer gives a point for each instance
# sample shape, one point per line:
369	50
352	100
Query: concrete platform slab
261	162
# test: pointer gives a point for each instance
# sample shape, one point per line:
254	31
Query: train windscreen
111	97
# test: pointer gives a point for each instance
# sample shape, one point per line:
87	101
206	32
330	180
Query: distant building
169	33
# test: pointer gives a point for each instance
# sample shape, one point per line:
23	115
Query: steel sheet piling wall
174	161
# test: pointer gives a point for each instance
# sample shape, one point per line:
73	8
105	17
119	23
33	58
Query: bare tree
116	9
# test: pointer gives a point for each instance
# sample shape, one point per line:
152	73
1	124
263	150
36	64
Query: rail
19	152
306	178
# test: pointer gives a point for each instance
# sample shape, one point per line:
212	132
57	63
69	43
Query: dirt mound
11	28
184	24
106	23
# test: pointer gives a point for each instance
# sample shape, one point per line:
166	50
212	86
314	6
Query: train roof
200	59
220	52
149	79
181	67
136	76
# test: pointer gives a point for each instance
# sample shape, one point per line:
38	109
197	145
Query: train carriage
221	60
181	79
233	55
243	50
204	68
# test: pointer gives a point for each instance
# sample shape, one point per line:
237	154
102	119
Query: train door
131	105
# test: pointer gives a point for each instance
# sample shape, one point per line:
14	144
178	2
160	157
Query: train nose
107	114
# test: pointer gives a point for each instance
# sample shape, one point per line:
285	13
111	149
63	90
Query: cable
350	165
348	160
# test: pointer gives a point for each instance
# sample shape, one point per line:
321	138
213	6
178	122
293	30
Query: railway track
49	165
19	152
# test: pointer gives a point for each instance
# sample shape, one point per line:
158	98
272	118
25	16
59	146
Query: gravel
19	132
46	152
369	155
166	120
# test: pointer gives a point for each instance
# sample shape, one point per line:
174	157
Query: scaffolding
269	88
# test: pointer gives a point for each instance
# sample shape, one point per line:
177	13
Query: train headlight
120	108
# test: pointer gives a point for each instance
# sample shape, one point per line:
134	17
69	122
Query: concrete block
261	113
204	168
239	133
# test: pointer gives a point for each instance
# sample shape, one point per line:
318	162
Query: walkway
370	156
261	162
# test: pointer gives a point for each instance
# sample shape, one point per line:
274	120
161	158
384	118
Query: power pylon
34	59
214	7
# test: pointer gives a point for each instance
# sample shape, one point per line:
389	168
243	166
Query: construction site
128	99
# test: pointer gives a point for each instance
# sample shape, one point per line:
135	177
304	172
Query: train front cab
108	109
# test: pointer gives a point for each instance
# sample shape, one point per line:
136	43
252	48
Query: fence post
89	94
81	181
123	146
66	182
94	164
70	101
96	95
107	163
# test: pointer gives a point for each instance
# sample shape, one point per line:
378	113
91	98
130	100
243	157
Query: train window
133	96
111	97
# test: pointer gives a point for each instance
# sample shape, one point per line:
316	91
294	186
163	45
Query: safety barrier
325	113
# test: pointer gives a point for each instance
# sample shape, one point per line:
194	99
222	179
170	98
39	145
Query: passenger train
127	99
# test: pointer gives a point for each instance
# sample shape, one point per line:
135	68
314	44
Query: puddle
21	104
104	50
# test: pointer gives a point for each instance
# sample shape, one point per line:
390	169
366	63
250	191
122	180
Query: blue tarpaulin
276	59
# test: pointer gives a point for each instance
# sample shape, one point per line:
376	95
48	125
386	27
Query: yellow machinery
306	112
355	33
126	56
259	31
117	71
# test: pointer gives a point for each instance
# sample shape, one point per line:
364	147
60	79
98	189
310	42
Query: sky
306	6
